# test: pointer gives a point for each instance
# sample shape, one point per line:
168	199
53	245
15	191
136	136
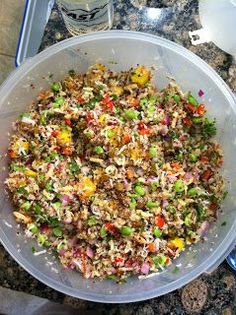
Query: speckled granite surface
210	294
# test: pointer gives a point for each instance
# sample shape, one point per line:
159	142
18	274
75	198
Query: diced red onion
151	179
145	268
140	171
79	224
85	170
65	199
44	228
72	242
188	176
172	178
200	93
165	203
67	220
89	252
204	228
166	120
62	252
164	130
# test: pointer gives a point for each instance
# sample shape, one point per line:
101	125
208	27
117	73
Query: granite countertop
210	294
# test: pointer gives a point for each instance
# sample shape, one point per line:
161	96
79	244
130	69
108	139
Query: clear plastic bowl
122	50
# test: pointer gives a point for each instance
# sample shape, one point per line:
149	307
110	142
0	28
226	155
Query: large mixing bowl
122	50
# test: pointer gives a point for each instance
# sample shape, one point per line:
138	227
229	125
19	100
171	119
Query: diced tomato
175	166
201	109
204	159
151	247
57	149
130	173
119	260
143	129
67	151
107	102
12	154
133	101
187	121
213	206
80	100
89	118
136	223
191	108
206	175
55	133
159	221
68	121
111	228
126	138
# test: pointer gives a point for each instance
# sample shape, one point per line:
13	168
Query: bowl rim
214	257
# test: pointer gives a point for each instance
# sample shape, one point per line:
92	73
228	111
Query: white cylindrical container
82	17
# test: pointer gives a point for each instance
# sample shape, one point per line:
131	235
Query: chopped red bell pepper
201	109
107	102
144	129
159	221
187	121
68	121
111	228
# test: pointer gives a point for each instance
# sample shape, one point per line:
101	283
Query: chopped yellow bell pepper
117	90
177	243
30	173
20	147
64	137
141	75
103	118
87	187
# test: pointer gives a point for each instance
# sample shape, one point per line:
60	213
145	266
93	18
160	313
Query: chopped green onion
92	220
179	185
58	101
133	204
89	133
197	120
33	228
56	87
152	152
112	277
114	97
159	260
41	239
152	100
140	190
56	205
176	98
131	114
193	157
188	220
37	208
22	191
151	204
26	205
110	133
74	167
103	232
16	168
126	230
192	192
99	150
57	231
143	102
179	156
157	232
192	101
